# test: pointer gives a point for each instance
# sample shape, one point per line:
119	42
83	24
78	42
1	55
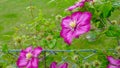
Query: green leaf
106	9
52	43
102	58
38	27
5	48
113	31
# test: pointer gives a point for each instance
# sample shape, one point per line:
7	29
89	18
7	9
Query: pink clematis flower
114	63
28	57
75	25
78	4
54	65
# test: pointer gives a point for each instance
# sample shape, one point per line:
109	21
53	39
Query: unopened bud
58	17
114	22
86	65
96	64
49	37
18	40
76	57
118	49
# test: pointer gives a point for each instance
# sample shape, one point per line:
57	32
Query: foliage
41	27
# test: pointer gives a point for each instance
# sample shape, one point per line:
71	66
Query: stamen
28	55
73	24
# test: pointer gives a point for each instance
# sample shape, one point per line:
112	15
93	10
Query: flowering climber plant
54	65
113	63
75	25
78	4
94	18
28	57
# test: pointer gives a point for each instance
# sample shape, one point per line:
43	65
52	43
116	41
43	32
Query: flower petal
76	15
65	65
84	19
29	65
53	65
81	30
78	4
37	51
112	66
21	62
65	22
35	62
67	34
72	7
69	37
29	49
23	54
64	31
113	61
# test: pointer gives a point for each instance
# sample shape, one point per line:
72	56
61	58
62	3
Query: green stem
118	41
109	20
31	11
45	57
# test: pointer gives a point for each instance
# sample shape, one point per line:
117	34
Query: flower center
28	55
72	24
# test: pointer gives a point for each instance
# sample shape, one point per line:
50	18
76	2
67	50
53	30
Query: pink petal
80	4
84	18
72	7
29	65
69	37
21	62
53	65
67	34
89	0
112	66
23	53
35	62
65	65
76	15
65	22
81	30
29	49
64	31
113	61
37	51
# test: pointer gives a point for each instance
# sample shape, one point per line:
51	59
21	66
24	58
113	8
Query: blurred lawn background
14	12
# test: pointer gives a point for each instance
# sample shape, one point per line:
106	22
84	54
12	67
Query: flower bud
118	49
49	37
114	22
76	57
18	40
58	17
96	64
86	65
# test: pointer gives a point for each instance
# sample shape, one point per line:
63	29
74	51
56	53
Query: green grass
14	12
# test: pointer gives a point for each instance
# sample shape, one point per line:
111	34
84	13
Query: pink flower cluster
75	24
29	59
